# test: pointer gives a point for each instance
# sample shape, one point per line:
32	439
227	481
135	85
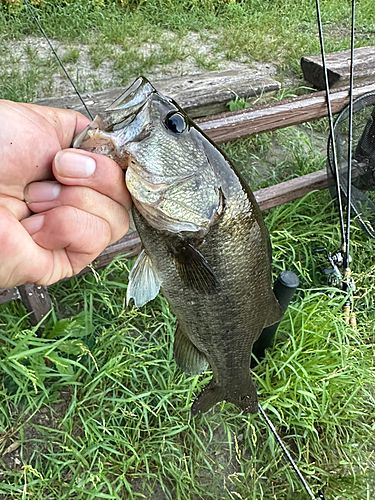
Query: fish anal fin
275	312
193	269
244	397
188	358
144	285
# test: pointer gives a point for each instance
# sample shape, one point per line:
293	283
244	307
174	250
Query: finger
22	261
81	168
80	235
44	196
66	123
69	228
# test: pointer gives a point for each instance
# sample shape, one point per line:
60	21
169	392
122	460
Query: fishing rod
342	257
284	289
349	283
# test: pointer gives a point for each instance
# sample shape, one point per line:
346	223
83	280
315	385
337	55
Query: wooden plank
239	124
338	67
36	300
200	95
293	189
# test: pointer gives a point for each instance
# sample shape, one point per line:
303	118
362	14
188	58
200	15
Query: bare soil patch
196	54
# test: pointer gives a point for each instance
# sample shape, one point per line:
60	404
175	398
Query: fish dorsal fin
188	358
144	285
275	313
193	269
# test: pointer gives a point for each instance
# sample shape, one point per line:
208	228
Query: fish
204	241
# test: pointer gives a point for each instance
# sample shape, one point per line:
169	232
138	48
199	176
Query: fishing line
288	456
28	6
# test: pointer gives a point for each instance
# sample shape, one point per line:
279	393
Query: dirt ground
196	55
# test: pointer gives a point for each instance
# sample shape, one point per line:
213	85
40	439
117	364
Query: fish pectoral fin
144	285
193	269
275	313
188	358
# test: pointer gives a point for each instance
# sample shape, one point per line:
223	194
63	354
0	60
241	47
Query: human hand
59	208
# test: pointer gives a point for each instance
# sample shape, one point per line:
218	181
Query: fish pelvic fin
244	397
188	358
144	285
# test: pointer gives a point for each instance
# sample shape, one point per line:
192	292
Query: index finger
66	122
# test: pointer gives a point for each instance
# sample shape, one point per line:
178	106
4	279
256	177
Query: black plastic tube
286	284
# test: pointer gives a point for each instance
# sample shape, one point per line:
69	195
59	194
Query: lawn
94	405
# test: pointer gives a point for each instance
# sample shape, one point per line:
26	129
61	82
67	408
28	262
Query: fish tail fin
208	398
244	397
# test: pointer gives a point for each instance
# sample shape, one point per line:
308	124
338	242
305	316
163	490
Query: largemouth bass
204	240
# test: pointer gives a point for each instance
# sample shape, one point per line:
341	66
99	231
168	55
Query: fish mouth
128	104
134	96
121	112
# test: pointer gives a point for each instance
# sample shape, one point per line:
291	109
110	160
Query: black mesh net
363	160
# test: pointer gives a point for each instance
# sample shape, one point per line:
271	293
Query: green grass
280	32
123	418
95	407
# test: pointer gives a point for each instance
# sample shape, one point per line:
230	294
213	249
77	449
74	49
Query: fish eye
175	122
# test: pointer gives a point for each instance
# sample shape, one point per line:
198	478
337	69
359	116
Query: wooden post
37	301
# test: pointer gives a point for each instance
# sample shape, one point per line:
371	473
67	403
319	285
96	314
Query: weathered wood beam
338	67
240	124
293	189
200	95
8	294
